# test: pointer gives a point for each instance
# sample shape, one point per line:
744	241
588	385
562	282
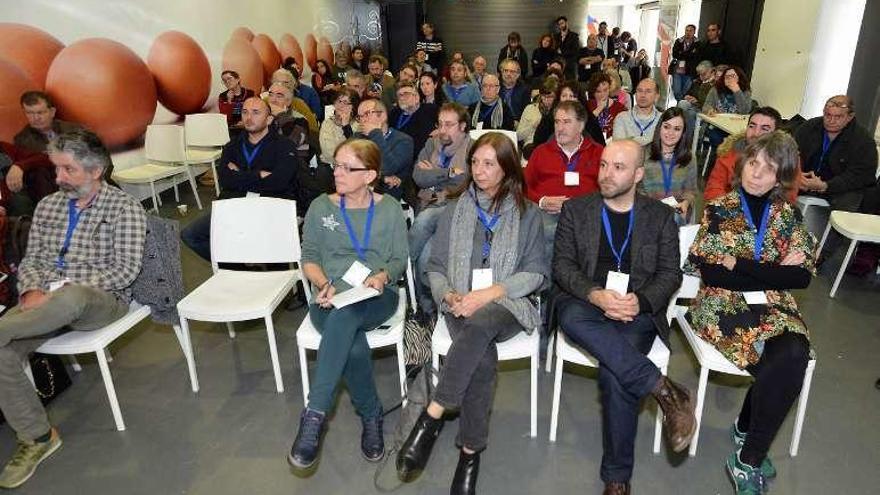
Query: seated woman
231	100
429	83
534	112
602	104
670	171
752	249
324	82
352	237
342	125
731	94
486	260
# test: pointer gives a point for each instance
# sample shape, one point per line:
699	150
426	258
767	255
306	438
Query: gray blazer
653	252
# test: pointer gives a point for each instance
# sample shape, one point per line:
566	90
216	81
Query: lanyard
456	92
607	224
571	164
249	157
403	120
487	223
360	248
507	96
73	216
636	122
761	231
667	174
445	159
605	114
826	144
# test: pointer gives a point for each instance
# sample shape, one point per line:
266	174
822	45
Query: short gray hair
86	148
704	65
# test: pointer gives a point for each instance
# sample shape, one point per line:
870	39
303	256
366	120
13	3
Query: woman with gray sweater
487	259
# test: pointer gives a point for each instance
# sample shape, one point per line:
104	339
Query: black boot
414	452
304	451
465	480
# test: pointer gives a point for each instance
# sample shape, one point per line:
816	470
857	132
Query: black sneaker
304	451
372	439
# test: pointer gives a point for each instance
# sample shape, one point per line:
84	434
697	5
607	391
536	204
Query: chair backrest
254	230
689	284
206	129
165	143
476	133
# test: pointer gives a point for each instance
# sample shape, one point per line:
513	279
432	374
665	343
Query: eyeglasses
831	116
488	85
343	102
347	168
836	104
277	94
366	114
406	93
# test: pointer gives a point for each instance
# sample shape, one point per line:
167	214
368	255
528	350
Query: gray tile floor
232	437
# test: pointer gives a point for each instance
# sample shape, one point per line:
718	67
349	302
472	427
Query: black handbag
50	377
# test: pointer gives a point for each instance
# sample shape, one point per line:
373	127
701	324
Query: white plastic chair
476	133
521	345
854	226
206	134
388	334
82	342
165	150
246	230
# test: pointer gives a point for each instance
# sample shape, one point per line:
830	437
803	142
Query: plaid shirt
105	251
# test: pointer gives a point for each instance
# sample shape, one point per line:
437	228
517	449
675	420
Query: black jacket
519	55
569	51
419	126
541	58
654	253
276	155
689	57
852	156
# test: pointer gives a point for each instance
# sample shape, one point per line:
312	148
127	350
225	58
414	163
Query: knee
792	348
360	352
10	361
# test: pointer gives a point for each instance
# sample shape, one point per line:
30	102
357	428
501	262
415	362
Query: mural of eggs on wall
15	82
31	49
181	72
105	86
239	55
325	50
288	45
269	56
311	50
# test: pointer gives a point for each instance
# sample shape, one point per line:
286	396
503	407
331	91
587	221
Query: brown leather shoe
616	488
679	421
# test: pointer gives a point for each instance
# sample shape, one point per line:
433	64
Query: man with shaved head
616	264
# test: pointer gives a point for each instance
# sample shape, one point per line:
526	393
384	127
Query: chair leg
192	183
230	329
701	395
536	363
551	347
176	191
273	354
183	337
824	238
111	390
557	393
401	369
658	423
849	252
75	364
304	373
802	408
435	367
155	197
216	179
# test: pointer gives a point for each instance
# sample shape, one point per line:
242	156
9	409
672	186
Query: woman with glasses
486	260
231	100
354	237
341	125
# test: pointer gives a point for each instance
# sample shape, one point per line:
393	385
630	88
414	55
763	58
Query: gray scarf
503	256
495	119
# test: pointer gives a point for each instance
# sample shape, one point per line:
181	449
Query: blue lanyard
487	223
360	248
636	122
456	92
249	157
826	144
618	255
507	96
667	174
486	111
73	215
445	159
403	120
570	165
761	231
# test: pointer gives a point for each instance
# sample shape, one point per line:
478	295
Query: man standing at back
567	44
616	263
84	251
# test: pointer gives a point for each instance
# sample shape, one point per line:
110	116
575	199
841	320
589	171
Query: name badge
53	286
755	297
671	201
251	194
356	274
481	279
572	179
588	66
681	64
479	125
617	281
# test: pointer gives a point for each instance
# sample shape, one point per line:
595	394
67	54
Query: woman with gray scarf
491	112
487	258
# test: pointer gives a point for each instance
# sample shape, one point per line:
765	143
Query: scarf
503	256
495	119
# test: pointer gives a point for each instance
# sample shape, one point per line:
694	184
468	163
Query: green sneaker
748	480
739	438
28	455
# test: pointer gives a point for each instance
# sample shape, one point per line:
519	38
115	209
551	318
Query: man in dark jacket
412	117
514	91
615	283
567	44
514	50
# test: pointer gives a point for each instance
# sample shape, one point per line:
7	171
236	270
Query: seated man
693	101
83	286
37	176
356	81
408	74
396	146
20	167
491	112
640	122
440	169
616	263
303	91
411	117
458	88
564	167
377	80
763	120
257	161
288	122
286	78
514	92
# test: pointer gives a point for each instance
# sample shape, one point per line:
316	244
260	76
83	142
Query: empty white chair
855	227
246	230
388	334
165	150
476	133
206	134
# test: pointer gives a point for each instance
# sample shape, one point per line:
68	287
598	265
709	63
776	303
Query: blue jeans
681	83
625	375
420	234
197	235
344	352
690	113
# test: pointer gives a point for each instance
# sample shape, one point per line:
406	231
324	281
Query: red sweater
545	172
720	181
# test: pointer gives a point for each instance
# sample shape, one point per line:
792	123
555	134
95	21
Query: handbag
50	377
417	332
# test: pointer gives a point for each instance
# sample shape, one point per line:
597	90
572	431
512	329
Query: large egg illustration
29	48
181	72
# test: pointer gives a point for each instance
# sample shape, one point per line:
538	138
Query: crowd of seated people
590	221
